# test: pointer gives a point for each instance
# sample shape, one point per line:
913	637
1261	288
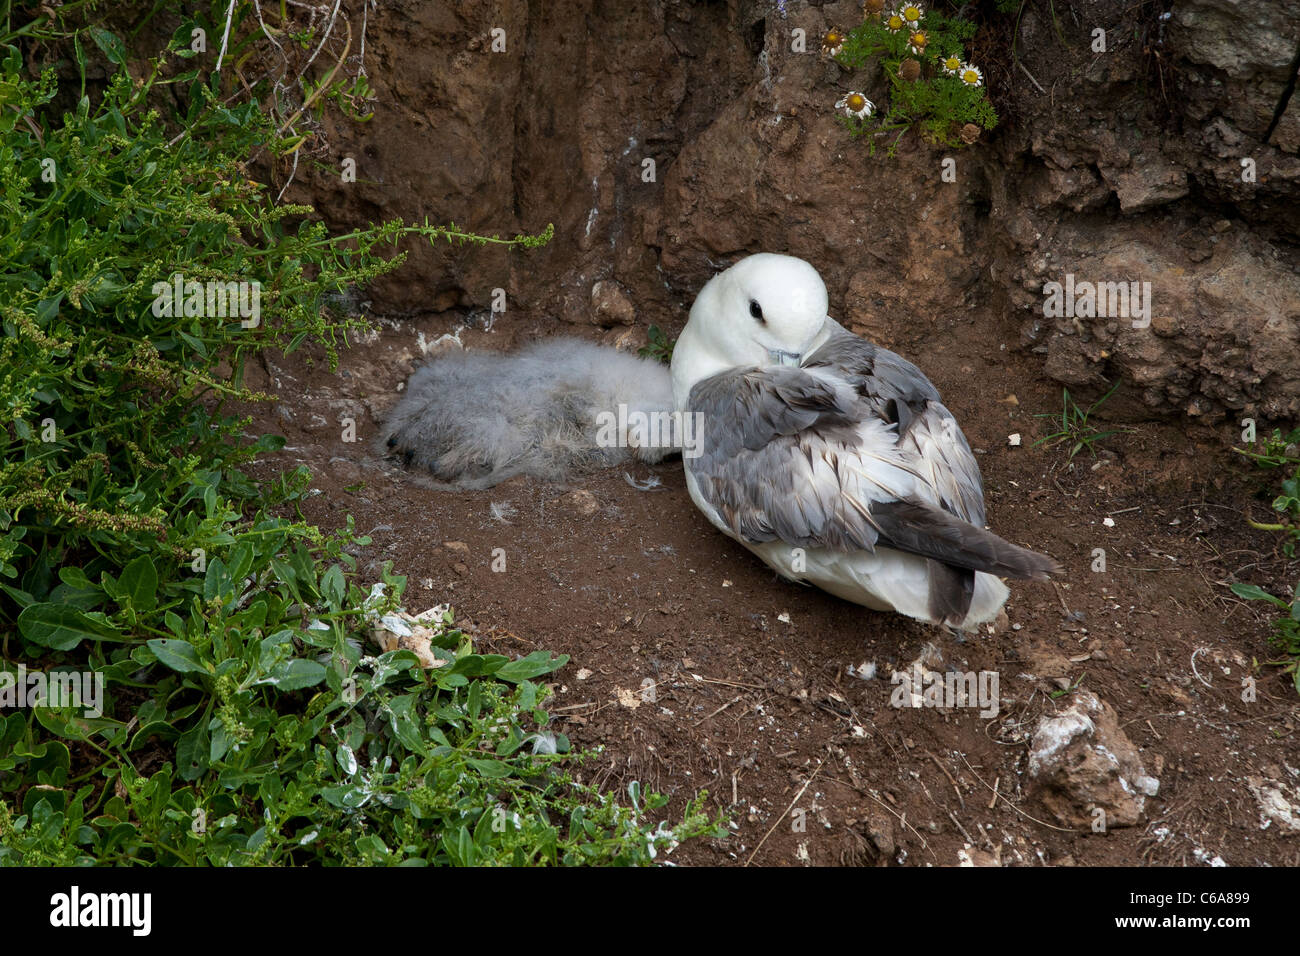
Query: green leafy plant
240	717
925	90
1276	450
1281	451
659	346
1287	505
1062	692
1286	629
1075	428
292	747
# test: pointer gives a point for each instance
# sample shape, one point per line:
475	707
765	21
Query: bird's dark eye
756	311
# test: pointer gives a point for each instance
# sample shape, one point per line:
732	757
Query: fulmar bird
831	459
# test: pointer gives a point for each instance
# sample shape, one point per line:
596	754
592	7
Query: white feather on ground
475	419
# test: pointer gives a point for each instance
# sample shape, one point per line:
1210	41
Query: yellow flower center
952	63
911	13
895	22
833	39
918	38
857	102
970	76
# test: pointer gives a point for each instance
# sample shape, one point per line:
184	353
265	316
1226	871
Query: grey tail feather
933	533
951	592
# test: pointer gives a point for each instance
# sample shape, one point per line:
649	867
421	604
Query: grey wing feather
800	455
774	443
895	388
898	391
937	448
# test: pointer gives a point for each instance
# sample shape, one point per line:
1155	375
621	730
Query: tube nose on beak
787	358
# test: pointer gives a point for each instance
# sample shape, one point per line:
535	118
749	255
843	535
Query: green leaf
1253	592
332	586
179	655
476	665
295	674
217	582
373	848
110	43
192	751
71	724
490	768
534	665
61	627
74	577
174	623
345	798
139	582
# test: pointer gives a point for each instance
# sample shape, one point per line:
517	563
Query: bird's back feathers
853	454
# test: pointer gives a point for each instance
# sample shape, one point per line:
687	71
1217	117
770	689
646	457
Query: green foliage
352	98
1276	450
1075	428
241	720
1280	451
659	347
1286	629
292	748
939	104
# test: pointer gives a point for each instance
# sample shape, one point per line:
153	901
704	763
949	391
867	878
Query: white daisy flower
855	104
912	13
894	21
916	42
951	65
832	43
970	75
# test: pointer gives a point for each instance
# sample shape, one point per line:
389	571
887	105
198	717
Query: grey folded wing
898	392
773	441
802	455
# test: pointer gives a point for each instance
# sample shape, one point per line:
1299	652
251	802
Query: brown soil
761	711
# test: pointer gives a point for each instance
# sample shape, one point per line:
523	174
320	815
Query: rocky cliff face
1169	159
666	139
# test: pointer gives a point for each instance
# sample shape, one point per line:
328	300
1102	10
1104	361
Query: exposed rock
1223	332
583	502
969	856
1147	183
1247	46
1083	761
403	631
610	304
1279	804
626	339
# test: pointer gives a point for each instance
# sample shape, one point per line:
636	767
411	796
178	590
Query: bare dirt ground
752	695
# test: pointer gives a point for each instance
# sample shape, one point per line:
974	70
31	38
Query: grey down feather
475	419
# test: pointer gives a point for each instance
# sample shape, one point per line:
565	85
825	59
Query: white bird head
765	310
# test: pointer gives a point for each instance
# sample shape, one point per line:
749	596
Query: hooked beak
785	358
